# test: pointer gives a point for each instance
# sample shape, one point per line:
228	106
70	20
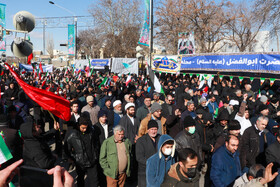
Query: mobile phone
34	177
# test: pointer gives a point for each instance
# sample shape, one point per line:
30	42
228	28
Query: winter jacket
173	124
166	110
108	158
145	148
131	130
76	148
9	93
36	151
251	143
244	182
225	167
186	140
212	107
142	112
272	153
175	178
157	165
143	129
100	132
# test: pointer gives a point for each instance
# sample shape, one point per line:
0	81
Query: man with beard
130	123
212	105
91	109
155	114
184	172
221	126
202	105
146	146
167	106
173	123
115	117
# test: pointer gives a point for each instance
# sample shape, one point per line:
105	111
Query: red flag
30	57
47	100
41	67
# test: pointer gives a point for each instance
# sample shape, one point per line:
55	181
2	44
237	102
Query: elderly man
156	97
91	109
225	163
167	106
115	158
146	146
115	117
254	142
155	114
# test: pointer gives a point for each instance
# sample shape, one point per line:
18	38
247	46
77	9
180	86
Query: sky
40	9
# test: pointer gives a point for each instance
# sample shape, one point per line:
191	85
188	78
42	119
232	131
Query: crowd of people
195	134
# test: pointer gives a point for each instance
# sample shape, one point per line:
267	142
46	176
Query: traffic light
23	22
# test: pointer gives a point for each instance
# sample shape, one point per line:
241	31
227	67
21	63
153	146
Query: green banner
71	40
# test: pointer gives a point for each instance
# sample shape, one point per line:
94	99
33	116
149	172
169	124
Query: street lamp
75	23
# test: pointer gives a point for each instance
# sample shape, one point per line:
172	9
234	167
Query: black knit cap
188	121
152	123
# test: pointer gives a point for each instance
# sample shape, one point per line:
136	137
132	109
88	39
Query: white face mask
167	152
60	92
109	94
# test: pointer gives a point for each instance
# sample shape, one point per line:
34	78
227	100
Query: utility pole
44	36
151	27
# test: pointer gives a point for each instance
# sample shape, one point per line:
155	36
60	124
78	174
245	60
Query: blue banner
248	62
3	26
144	37
71	40
100	63
29	68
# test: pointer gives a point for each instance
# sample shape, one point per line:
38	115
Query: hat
263	99
233	102
117	102
102	113
152	123
274	100
234	125
188	121
157	94
202	99
89	98
3	119
262	107
128	105
155	106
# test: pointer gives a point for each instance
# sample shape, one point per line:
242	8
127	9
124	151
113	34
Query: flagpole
151	27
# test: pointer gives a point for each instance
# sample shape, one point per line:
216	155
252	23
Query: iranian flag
128	80
5	153
103	82
155	81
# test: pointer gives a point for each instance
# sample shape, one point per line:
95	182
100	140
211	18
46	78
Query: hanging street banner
71	40
186	43
3	26
266	63
100	63
29	68
125	65
144	37
168	64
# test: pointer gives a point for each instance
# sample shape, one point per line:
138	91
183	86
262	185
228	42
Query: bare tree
50	45
245	25
120	21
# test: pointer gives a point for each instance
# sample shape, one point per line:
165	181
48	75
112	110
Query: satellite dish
24	21
21	47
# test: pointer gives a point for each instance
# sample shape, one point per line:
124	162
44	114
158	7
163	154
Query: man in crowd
159	164
144	110
146	146
184	172
82	146
130	123
114	118
189	138
254	142
167	106
103	129
155	114
91	109
115	158
225	163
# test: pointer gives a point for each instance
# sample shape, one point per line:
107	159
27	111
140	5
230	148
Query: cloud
35	34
